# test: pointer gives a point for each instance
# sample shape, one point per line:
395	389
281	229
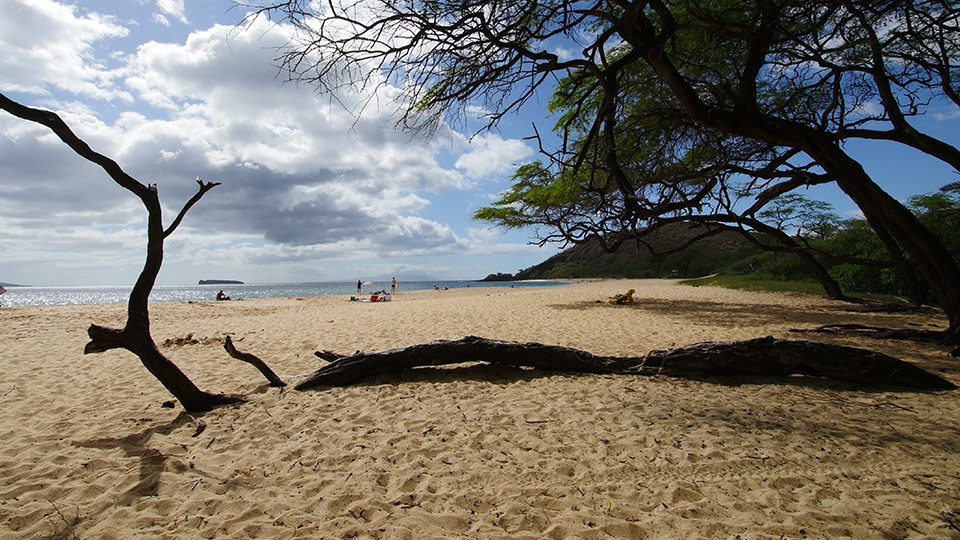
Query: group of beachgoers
393	286
376	296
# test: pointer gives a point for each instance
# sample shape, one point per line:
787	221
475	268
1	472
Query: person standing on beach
393	286
359	284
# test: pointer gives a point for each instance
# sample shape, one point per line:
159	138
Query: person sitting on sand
621	299
221	296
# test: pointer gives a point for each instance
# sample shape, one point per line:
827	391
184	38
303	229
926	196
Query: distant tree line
849	249
855	255
499	276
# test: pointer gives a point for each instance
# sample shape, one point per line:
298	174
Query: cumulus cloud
303	177
170	8
294	166
489	154
47	45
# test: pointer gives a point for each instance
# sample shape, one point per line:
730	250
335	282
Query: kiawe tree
135	335
663	105
842	55
795	79
763	356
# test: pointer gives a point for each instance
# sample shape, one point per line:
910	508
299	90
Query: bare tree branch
135	335
204	187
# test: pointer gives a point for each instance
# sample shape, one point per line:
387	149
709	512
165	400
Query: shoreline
102	295
471	450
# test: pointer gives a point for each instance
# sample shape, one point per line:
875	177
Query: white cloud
490	154
46	44
946	114
294	167
306	183
161	19
173	8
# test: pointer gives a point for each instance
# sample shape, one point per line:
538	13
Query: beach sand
470	451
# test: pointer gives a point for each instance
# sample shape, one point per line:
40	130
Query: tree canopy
704	109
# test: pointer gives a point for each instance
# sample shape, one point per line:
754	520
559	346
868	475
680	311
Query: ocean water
59	296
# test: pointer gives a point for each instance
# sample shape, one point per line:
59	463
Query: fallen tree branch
933	336
756	357
331	356
769	356
253	360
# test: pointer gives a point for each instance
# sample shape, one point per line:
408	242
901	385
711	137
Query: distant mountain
12	285
588	260
219	282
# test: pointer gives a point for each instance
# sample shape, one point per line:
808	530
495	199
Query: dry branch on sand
254	361
766	356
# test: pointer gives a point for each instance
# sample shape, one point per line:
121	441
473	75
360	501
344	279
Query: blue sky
176	89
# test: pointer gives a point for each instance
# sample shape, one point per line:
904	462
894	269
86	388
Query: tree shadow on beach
900	330
503	375
856	405
152	462
856	419
749	314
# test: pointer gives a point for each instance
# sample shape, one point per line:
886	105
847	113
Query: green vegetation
752	282
697	114
855	256
849	250
660	256
499	276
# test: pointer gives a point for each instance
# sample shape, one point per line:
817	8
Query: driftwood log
766	356
254	361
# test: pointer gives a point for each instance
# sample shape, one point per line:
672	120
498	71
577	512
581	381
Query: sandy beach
473	450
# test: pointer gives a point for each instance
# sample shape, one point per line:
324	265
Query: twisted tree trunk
766	356
135	335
